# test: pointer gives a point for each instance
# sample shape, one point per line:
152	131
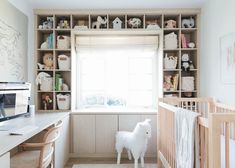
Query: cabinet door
152	143
62	144
5	160
83	129
106	128
128	122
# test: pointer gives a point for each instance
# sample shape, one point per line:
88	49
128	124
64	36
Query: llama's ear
148	120
141	124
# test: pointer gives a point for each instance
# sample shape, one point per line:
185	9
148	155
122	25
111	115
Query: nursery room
117	84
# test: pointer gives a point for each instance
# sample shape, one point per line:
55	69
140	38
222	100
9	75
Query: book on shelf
50	41
183	41
58	82
175	81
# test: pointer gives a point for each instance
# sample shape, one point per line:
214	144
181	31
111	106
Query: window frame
75	102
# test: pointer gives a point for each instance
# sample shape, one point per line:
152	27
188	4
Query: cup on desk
31	110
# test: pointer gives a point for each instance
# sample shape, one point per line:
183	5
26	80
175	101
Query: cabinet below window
93	135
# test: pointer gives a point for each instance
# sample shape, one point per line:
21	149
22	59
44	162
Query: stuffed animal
47	102
48	61
48	24
152	24
185	62
167	85
191	66
135	142
63	24
170	23
100	21
134	22
191	44
188	23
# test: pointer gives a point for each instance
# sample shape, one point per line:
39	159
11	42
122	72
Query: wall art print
227	49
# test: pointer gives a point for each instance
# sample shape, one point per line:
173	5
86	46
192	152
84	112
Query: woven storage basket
63	42
170	62
64	62
63	101
170	41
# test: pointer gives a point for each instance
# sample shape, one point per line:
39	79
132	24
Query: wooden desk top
41	120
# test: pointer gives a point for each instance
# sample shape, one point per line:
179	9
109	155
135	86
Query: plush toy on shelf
191	45
152	24
48	24
63	24
134	22
186	63
188	23
170	24
47	62
47	102
101	21
167	85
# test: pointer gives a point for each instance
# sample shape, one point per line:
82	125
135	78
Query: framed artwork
13	44
227	49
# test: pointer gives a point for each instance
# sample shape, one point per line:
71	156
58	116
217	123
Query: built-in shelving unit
191	34
59	23
47	99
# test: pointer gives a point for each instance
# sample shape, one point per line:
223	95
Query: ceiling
111	4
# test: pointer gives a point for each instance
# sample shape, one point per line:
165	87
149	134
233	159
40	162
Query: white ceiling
110	4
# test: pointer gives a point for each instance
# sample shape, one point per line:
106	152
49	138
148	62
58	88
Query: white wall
217	21
28	11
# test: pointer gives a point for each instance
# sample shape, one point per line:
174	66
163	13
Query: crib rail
216	119
222	122
199	105
166	137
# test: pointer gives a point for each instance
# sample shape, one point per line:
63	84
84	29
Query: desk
42	121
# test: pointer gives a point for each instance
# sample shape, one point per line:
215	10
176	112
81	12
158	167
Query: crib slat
227	139
206	165
202	144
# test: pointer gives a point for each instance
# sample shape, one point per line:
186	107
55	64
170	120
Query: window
116	71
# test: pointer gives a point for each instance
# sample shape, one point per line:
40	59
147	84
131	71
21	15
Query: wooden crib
215	120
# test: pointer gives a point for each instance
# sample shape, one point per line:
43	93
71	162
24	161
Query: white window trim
75	33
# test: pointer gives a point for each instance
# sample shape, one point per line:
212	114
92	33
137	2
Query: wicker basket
64	62
63	101
63	42
170	62
170	41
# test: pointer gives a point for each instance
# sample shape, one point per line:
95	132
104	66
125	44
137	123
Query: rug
112	166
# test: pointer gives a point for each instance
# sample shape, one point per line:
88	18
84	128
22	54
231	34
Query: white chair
39	154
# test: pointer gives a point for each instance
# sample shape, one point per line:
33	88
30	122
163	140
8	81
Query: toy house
117	23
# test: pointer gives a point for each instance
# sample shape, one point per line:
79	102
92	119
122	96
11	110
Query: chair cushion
25	159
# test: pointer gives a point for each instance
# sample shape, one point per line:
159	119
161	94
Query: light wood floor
73	161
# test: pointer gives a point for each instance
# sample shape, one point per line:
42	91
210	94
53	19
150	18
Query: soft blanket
185	133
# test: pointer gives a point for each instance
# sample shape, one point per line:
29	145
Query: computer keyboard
23	130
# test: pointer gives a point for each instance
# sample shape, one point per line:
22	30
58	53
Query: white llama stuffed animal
135	142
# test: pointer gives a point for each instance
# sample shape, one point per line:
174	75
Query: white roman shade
117	41
117	70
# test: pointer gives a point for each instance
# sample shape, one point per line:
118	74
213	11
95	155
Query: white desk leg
5	160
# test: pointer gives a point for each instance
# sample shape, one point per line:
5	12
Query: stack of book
175	81
184	41
50	41
58	82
